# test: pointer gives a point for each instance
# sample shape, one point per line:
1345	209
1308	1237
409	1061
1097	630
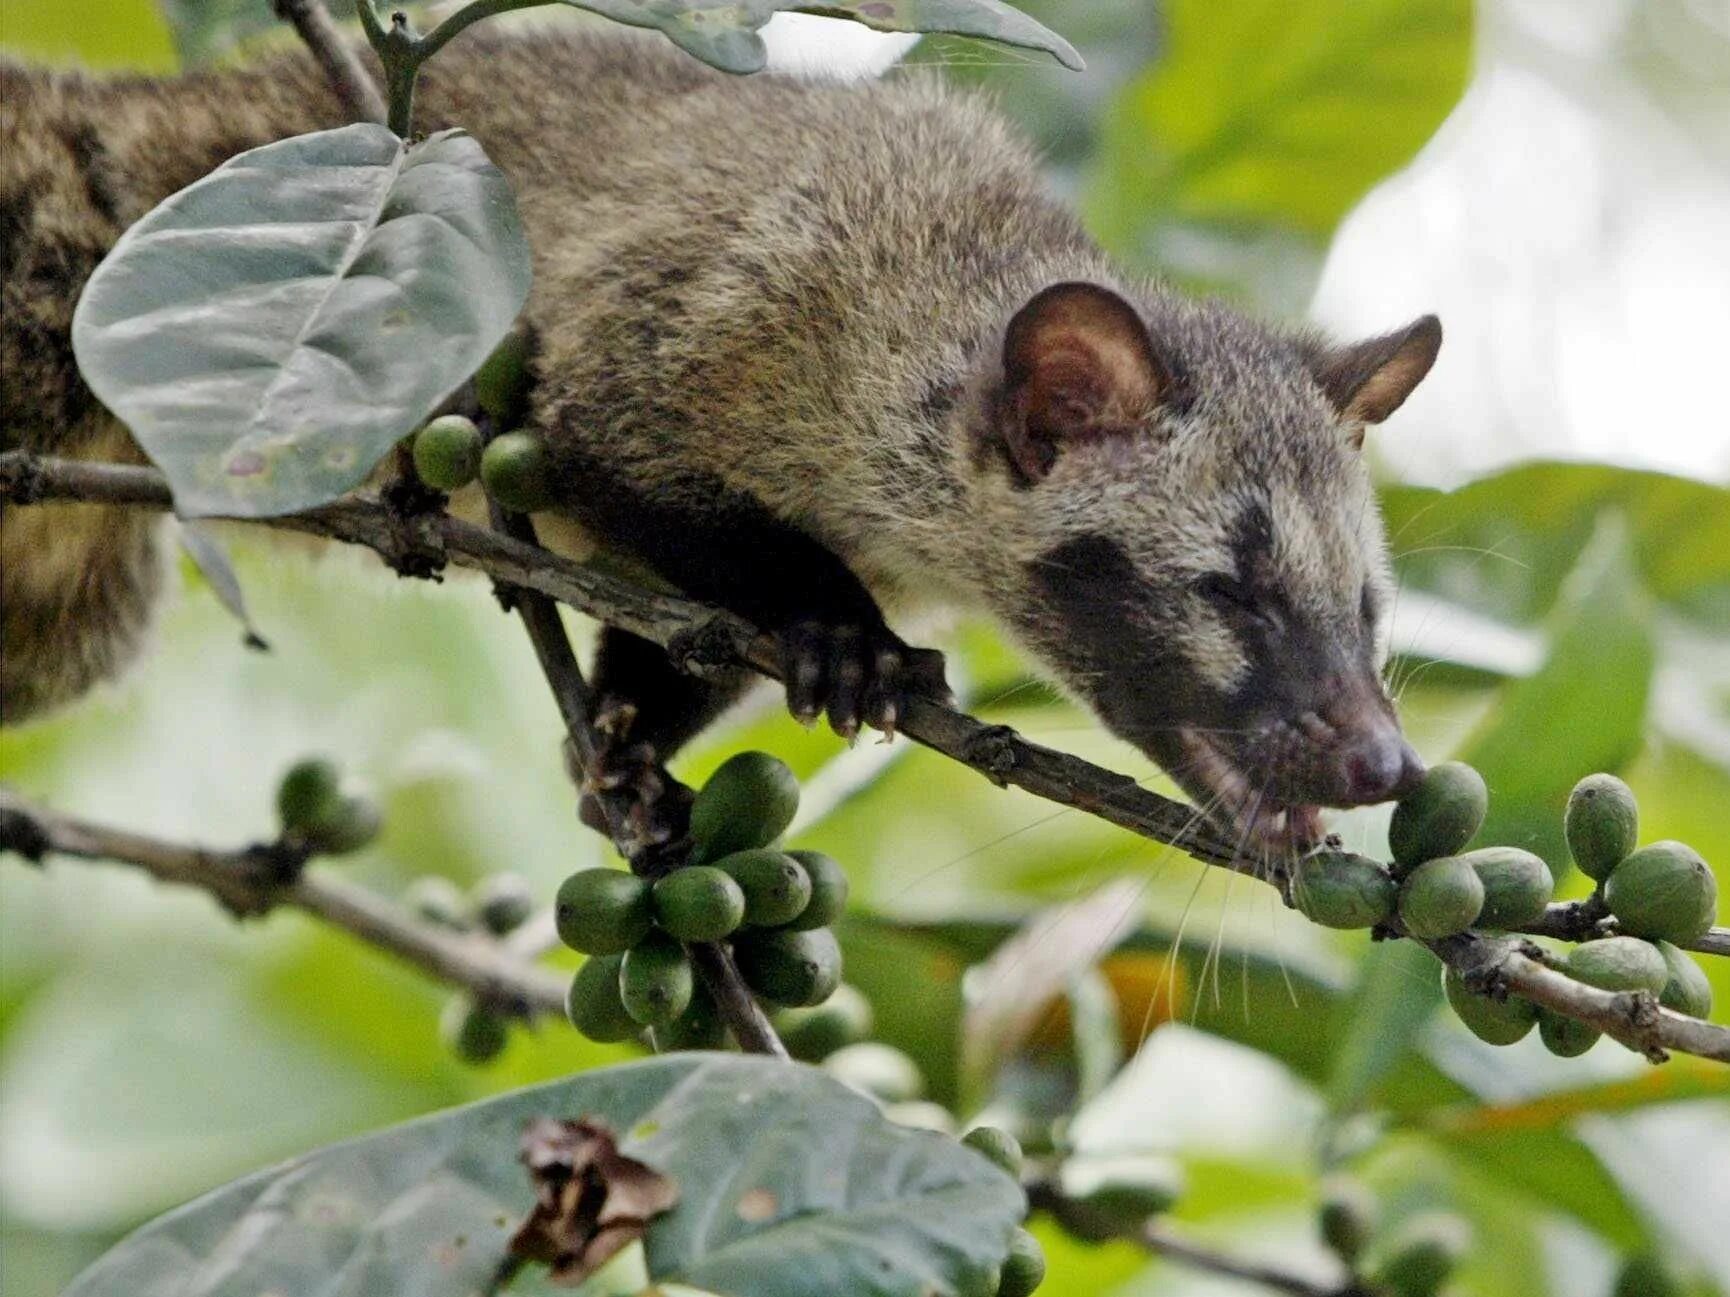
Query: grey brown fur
769	313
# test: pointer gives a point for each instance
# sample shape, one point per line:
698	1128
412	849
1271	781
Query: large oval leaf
270	331
791	1185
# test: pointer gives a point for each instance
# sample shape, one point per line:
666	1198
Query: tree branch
342	66
251	881
700	637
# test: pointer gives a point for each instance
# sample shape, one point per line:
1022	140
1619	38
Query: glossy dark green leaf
1268	113
791	1185
269	332
1583	711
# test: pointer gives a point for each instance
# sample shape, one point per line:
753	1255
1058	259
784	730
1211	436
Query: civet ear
1368	381
1078	366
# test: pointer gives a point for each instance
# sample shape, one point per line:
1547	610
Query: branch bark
701	637
347	75
250	881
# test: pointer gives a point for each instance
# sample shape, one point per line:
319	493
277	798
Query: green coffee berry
794	968
1441	897
1601	823
776	887
828	890
1563	1036
603	911
472	1033
1619	964
310	791
438	900
812	1034
516	472
1439	816
1517	886
1499	1022
501	384
878	1070
982	1282
1346	1216
700	1026
1686	990
998	1145
504	902
593	1003
1646	1276
1111	1196
699	903
746	803
349	825
656	981
1664	891
1023	1270
1339	890
447	452
1418	1257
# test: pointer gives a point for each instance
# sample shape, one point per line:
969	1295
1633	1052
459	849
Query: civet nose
1380	765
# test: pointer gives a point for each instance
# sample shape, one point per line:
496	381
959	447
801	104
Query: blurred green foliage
150	1049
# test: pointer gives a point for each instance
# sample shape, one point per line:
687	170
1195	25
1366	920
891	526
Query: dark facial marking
1094	586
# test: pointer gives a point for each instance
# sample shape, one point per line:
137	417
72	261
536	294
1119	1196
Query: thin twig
1047	1195
702	637
342	66
246	884
713	963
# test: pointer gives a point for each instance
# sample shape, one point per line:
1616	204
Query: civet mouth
1259	822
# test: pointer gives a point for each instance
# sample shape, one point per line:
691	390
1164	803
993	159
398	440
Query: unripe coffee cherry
1499	1022
1619	964
471	1032
812	1034
1418	1257
828	890
1339	890
776	887
504	902
998	1145
793	968
438	900
516	472
593	1004
1111	1197
1601	823
1563	1036
1517	886
1439	816
748	802
699	903
603	911
1686	990
310	791
1441	897
1023	1269
1665	892
447	452
1346	1216
656	981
